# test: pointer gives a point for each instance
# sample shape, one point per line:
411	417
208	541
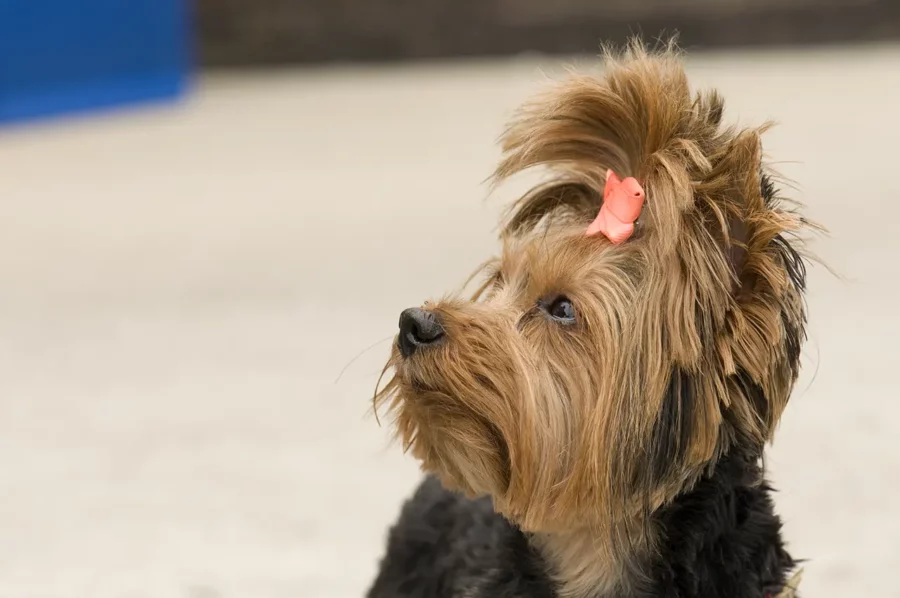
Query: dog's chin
420	388
462	448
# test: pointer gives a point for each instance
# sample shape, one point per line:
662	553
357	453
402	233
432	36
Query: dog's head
589	382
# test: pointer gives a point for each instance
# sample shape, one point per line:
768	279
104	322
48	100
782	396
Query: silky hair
686	339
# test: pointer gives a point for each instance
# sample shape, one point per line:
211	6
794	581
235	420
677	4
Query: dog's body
721	540
595	415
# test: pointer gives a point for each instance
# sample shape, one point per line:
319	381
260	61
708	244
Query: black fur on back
719	540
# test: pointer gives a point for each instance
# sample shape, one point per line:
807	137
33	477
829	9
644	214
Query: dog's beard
444	424
487	418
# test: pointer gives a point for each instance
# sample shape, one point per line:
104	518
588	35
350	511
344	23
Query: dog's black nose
417	329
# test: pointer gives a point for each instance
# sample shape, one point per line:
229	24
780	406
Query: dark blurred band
255	32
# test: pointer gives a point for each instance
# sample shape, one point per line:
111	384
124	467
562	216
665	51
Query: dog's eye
561	309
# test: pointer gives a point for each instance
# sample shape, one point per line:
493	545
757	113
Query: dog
592	419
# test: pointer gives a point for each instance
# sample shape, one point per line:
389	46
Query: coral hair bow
622	203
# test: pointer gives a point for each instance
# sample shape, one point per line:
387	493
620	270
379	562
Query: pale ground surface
182	286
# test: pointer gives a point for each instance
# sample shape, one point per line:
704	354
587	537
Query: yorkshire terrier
592	420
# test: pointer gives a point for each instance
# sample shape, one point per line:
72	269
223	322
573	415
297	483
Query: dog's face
501	400
586	383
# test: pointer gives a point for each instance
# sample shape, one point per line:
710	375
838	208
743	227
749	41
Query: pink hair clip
622	203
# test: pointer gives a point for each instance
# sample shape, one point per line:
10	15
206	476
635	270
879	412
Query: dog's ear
715	336
767	325
729	300
726	277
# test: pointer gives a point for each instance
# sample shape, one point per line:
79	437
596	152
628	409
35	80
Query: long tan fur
687	336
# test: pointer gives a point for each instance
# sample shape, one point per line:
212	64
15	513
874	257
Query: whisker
375	396
360	354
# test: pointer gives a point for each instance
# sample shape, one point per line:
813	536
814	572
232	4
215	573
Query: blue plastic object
62	56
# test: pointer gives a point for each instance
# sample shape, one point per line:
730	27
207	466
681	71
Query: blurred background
211	216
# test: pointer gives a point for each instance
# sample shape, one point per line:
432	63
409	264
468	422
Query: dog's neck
719	539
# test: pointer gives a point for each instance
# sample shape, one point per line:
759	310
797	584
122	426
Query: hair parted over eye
560	309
